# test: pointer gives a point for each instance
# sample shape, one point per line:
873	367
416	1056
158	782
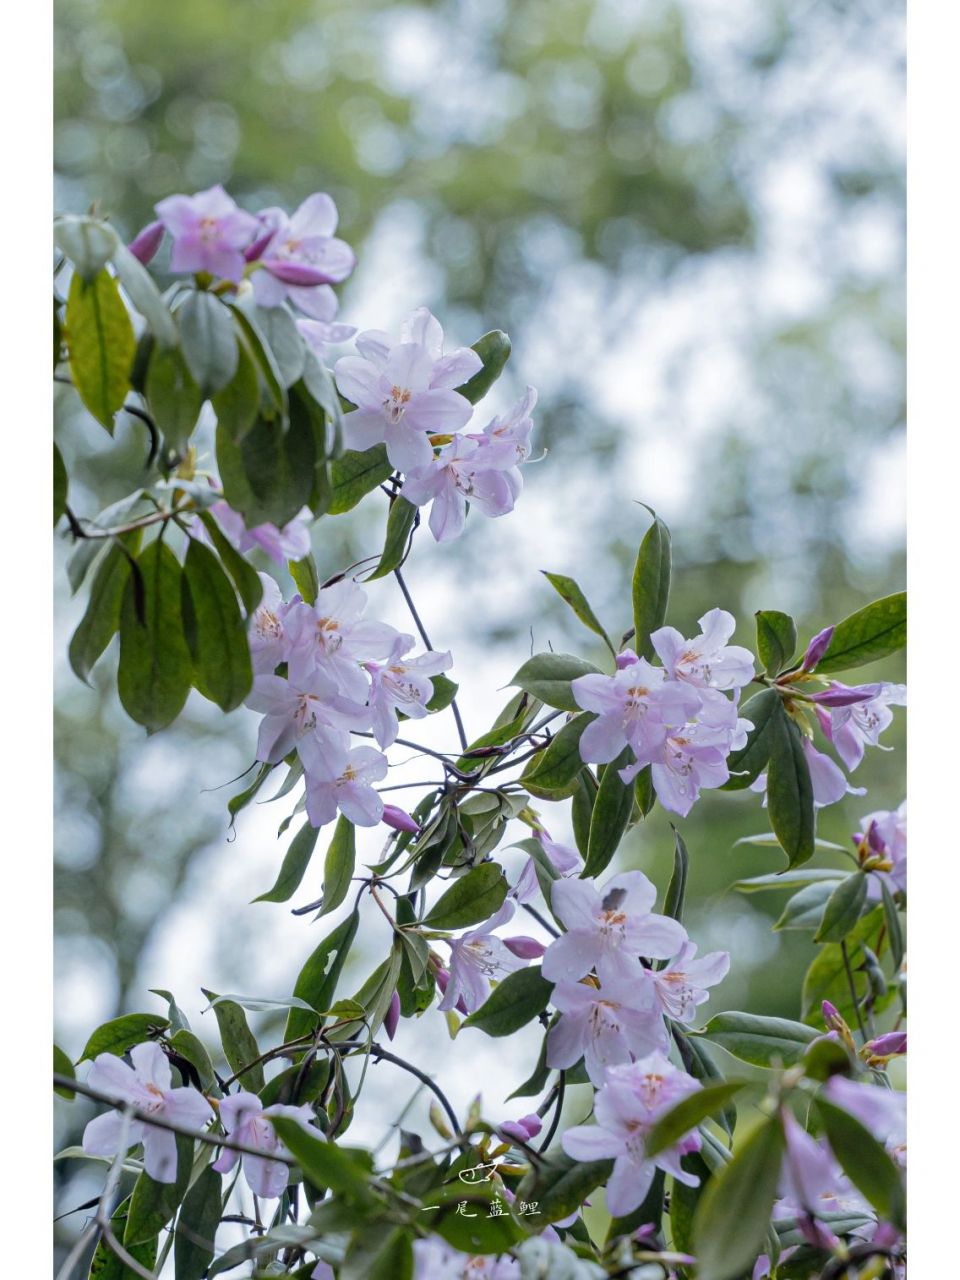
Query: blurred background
689	216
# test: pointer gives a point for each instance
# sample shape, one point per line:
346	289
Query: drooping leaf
144	294
60	482
245	577
238	403
547	676
677	888
516	1000
152	1203
196	1230
764	711
156	669
570	591
688	1113
191	1047
289	350
317	980
651	585
776	640
581	810
101	344
353	475
120	1034
894	929
268	475
874	632
761	1041
790	791
63	1067
400	522
345	1170
101	618
611	813
239	1045
555	773
215	630
471	899
494	350
294	865
174	398
250	333
338	865
208	340
843	908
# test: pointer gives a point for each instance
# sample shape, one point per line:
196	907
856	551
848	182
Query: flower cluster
322	671
405	397
676	718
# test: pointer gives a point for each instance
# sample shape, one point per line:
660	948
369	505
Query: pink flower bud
443	981
842	695
255	250
831	1016
817	648
626	659
399	819
145	244
524	1129
392	1020
525	948
885	1046
296	273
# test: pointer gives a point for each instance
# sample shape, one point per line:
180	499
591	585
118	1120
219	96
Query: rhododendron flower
146	1086
883	1111
886	835
635	707
630	1101
266	634
615	1024
563	859
209	233
348	789
292	542
434	1259
319	334
828	779
809	1174
302	258
853	728
331	636
706	660
463	472
694	755
475	958
405	393
246	1120
392	1018
307	714
402	685
682	985
508	434
608	929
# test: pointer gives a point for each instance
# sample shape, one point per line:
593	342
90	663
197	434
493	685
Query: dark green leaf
268	476
734	1211
295	863
790	791
765	712
472	898
581	811
554	774
101	618
688	1113
677	888
59	485
304	574
378	1251
516	1000
353	475
280	330
894	930
153	1204
547	676
240	801
342	1169
208	341
238	403
698	1061
101	344
194	1050
317	981
611	813
843	908
174	398
87	242
245	577
239	1045
197	1224
338	865
217	634
64	1067
805	909
472	1228
569	590
400	522
776	640
763	1042
155	668
560	1185
444	692
263	358
145	295
105	1265
864	1160
871	633
826	979
684	1201
322	389
643	791
651	585
120	1034
494	350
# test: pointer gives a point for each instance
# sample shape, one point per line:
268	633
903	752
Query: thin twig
560	1090
461	732
853	988
378	1052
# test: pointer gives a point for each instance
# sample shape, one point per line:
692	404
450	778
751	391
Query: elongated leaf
289	350
317	980
238	403
864	1160
763	1042
174	397
677	888
101	344
245	577
152	1203
764	711
776	640
494	350
734	1211
894	929
304	573
60	482
556	772
145	296
517	1000
208	341
611	813
698	1061
871	633
294	866
569	590
101	618
547	676
827	979
400	523
250	333
805	909
87	242
353	475
105	1265
120	1034
342	1169
64	1067
795	879
560	1185
843	908
338	865
790	791
379	1252
155	668
268	476
581	810
471	899
651	585
191	1047
239	1045
688	1113
216	632
197	1224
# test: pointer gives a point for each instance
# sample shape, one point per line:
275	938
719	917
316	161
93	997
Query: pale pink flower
615	1024
349	790
707	660
209	233
246	1120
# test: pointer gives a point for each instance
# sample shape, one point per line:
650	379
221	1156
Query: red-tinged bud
842	695
295	273
890	1045
399	819
831	1016
817	648
392	1020
144	246
255	251
626	659
524	1129
524	947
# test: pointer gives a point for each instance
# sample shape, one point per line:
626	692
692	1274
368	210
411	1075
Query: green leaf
688	1113
173	396
191	1047
871	633
611	813
87	242
338	865
245	577
196	1230
294	866
864	1160
378	1251
795	879
64	1067
268	476
176	1015
776	640
805	909
764	711
698	1062
289	350
342	1169
208	341
581	810
215	629
60	482
353	475
843	908
734	1211
554	774
444	692
120	1034
560	1185
825	1058
145	296
472	898
651	585
155	668
105	1265
152	1203
400	522
240	801
322	389
304	574
644	795
101	618
494	350
239	1044
826	979
547	676
238	403
677	888
894	930
763	1042
568	590
317	980
263	358
684	1201
101	344
516	1000
790	791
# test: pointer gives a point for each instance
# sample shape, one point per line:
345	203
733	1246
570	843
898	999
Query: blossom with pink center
210	233
266	633
707	660
635	707
331	636
855	727
302	258
292	542
627	1105
827	779
319	334
476	958
681	986
402	685
146	1086
405	393
246	1120
434	1259
564	860
608	929
348	789
615	1024
463	472
309	715
885	834
694	755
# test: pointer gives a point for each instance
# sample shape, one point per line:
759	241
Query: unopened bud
817	648
844	695
524	947
626	659
399	819
295	273
145	244
524	1129
255	251
392	1020
890	1045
